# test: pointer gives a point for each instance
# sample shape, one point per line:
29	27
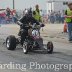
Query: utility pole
13	4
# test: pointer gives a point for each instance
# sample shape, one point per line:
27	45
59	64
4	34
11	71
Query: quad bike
32	41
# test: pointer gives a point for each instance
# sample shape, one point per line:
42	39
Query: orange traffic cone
65	27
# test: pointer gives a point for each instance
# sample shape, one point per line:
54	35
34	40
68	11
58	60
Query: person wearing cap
36	13
68	19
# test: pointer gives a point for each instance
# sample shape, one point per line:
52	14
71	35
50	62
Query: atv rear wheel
11	42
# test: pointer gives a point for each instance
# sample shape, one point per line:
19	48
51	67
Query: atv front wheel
25	47
50	47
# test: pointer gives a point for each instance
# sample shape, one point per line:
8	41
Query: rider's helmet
26	12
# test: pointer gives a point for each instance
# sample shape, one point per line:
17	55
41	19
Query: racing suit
25	22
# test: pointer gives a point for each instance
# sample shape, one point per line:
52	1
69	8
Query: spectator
8	15
52	17
8	12
15	16
62	16
68	19
30	11
36	13
59	17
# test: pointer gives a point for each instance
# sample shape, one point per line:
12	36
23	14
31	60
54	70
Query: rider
25	21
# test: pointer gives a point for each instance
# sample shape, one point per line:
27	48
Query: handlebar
31	26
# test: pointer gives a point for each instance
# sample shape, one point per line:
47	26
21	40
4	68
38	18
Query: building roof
59	1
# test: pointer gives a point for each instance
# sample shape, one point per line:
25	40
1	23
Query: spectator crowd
11	16
8	16
56	17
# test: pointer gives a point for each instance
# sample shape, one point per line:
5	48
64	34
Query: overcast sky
22	4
